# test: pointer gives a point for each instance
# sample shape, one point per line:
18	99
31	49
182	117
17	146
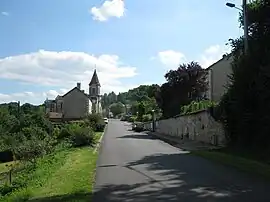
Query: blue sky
47	46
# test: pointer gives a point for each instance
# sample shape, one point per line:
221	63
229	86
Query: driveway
140	168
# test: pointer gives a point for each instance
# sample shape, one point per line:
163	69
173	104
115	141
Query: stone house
76	104
218	78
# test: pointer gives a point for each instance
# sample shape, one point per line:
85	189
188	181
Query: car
106	120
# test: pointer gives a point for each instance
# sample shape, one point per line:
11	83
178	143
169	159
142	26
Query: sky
47	46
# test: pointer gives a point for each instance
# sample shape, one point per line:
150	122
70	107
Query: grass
67	175
241	162
97	136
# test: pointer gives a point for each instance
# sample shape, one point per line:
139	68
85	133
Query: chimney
79	86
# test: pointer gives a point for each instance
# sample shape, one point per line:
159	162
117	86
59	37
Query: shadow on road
138	136
180	177
187	178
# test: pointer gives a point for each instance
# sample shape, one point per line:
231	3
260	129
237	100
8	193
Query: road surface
137	167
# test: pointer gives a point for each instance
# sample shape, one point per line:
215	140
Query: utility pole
245	26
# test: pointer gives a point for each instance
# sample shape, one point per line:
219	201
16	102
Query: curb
100	140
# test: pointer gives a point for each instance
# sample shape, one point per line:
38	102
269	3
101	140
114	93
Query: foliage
147	118
132	98
245	107
185	84
96	122
27	135
197	106
117	108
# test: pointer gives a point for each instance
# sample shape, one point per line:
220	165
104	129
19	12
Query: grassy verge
65	176
97	136
239	162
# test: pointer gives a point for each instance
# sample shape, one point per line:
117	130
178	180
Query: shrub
132	119
96	122
147	117
82	137
197	106
76	135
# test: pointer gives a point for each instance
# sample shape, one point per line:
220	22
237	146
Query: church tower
94	93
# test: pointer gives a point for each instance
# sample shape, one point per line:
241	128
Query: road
140	168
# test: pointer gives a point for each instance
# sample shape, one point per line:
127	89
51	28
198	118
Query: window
93	91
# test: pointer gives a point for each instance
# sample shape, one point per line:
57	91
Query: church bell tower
94	93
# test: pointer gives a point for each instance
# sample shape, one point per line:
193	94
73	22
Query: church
76	104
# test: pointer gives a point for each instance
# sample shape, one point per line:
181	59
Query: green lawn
66	176
241	162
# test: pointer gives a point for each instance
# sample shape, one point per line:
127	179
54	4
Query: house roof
94	80
73	89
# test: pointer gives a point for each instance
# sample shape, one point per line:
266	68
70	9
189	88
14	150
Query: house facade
76	104
218	78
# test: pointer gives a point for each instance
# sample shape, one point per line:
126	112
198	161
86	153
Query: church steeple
94	86
94	80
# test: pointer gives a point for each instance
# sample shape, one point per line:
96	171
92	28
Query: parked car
106	120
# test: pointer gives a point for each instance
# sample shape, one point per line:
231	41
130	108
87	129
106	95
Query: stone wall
199	126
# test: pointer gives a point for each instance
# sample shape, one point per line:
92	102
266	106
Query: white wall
198	126
219	78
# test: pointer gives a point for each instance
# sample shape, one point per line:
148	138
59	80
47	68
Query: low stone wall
199	126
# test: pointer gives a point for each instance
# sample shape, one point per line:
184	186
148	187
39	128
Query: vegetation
35	149
241	162
197	106
184	85
244	109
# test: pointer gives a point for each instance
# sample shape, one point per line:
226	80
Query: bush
77	135
197	106
82	137
147	118
132	119
34	148
96	122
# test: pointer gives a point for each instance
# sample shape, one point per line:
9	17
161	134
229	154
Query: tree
117	108
185	84
245	107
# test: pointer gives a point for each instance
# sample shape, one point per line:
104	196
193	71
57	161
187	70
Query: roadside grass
97	136
241	161
67	175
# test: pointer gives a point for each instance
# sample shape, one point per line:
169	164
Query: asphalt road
137	167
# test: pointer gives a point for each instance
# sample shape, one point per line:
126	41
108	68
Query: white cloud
62	70
110	8
5	13
170	58
213	54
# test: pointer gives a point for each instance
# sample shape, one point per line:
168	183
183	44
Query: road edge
100	140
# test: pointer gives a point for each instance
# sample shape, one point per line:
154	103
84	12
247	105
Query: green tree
185	84
117	108
245	107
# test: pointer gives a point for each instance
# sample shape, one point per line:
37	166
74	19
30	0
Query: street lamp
244	10
153	120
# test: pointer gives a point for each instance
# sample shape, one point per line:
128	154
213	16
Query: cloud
170	58
24	97
213	54
4	13
110	8
62	70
